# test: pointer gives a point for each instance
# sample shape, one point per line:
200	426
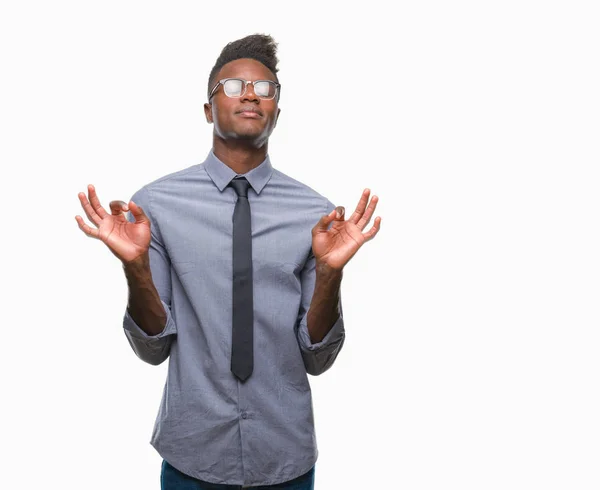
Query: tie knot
240	184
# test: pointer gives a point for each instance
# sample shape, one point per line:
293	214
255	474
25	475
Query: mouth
249	112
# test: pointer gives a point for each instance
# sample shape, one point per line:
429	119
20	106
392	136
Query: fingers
363	213
366	217
369	235
89	210
100	211
96	213
117	208
91	232
360	208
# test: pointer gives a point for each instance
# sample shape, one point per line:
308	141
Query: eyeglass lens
263	89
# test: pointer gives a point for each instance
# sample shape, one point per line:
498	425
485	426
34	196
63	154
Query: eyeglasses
236	87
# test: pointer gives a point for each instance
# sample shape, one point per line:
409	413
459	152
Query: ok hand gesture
126	240
338	244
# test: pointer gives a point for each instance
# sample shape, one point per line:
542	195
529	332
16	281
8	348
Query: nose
250	95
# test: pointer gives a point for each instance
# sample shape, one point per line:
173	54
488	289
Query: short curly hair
260	47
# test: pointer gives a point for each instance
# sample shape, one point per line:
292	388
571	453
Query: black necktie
243	306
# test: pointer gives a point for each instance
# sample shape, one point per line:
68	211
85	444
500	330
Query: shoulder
300	189
168	183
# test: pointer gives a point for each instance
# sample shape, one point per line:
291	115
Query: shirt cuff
334	336
134	329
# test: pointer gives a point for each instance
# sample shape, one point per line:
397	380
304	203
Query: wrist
324	269
140	264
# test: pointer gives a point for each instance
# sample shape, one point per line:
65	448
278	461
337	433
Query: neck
239	156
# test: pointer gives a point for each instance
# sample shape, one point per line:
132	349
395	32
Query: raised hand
337	245
127	241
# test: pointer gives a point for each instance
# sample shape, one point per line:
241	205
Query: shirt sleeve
320	356
153	349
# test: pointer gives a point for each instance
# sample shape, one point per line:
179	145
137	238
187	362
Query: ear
208	113
277	117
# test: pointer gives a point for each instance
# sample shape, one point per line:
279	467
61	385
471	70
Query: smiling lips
250	112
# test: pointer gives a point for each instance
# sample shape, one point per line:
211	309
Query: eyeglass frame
246	82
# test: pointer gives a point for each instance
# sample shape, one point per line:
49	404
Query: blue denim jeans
173	479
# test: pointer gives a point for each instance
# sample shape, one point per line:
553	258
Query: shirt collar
222	175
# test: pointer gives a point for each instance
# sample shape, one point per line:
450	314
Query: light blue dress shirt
209	425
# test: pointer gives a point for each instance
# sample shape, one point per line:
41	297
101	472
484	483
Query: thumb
138	213
327	219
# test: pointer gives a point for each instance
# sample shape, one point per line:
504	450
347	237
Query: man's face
247	117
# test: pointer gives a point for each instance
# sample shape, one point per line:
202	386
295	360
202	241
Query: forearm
144	304
324	308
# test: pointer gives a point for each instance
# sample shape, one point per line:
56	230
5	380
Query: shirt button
244	415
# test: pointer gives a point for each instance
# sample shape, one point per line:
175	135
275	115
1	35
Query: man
234	272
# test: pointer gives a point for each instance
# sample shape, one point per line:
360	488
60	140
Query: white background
472	358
